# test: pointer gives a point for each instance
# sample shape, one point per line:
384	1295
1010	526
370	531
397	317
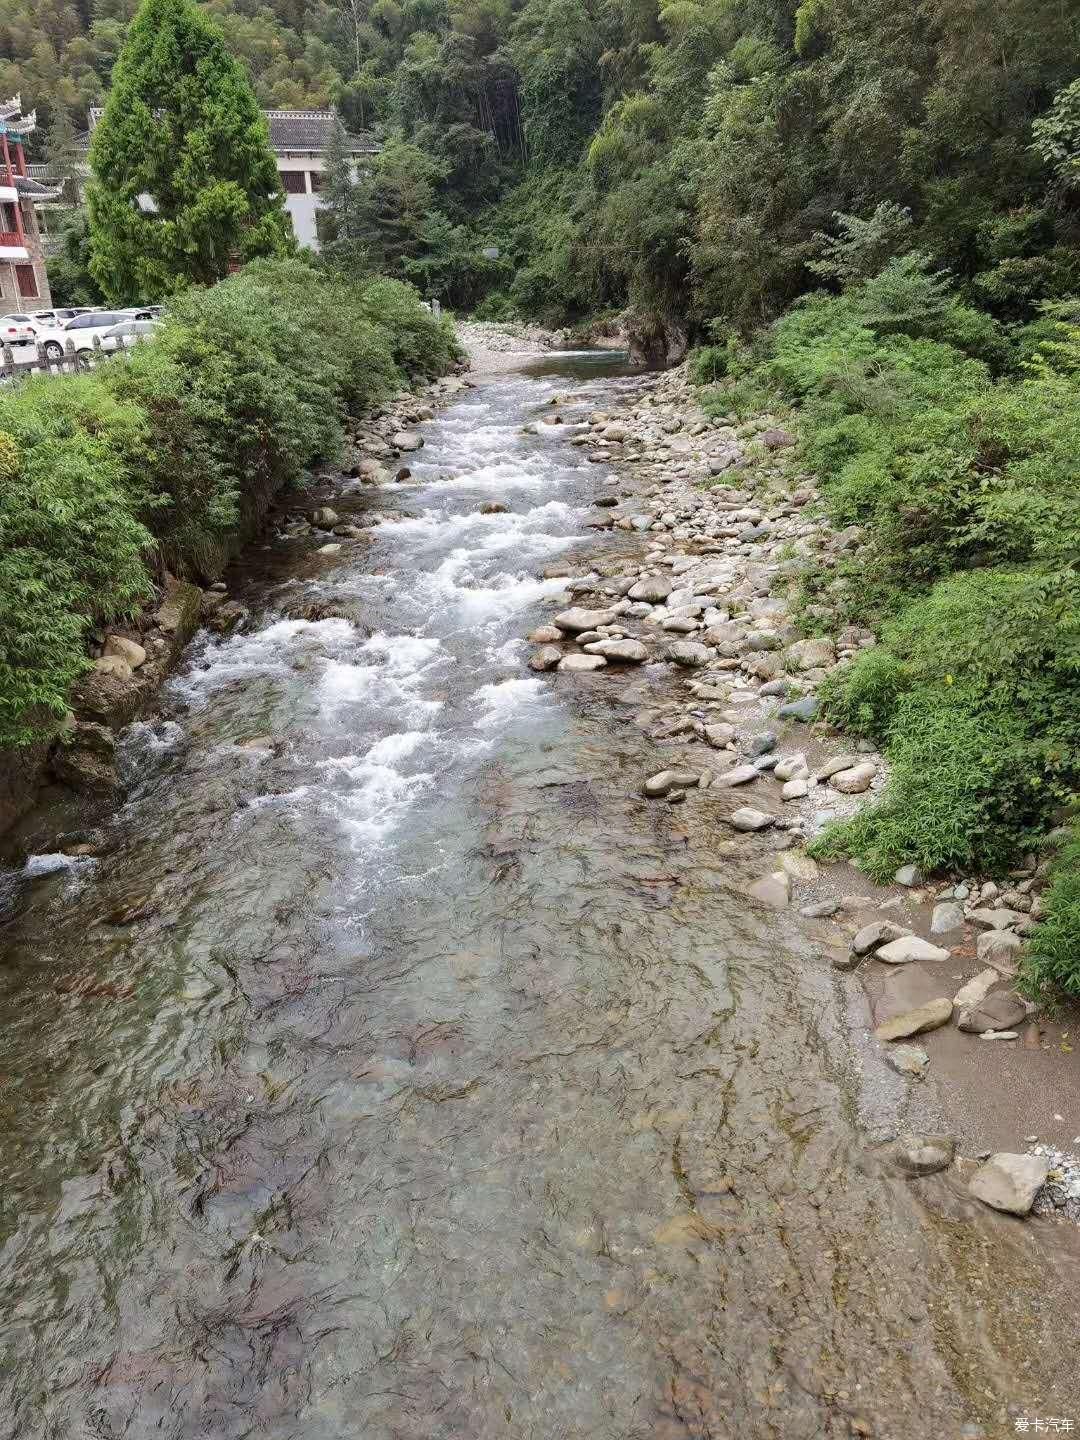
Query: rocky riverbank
717	520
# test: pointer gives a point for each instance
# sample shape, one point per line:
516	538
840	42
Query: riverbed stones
653	588
114	665
910	1060
1010	1182
1000	1011
129	650
947	916
747	819
909	876
909	948
803	710
689	654
917	1154
407	440
738	775
877	933
835	766
666	780
627	652
999	947
773	890
791	767
577	619
720	734
918	1021
794	790
855	780
975	991
546	658
546	635
325	518
582	663
810	654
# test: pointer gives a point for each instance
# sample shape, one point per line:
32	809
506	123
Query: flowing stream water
396	1072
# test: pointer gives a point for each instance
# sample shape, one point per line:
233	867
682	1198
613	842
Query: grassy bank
952	441
168	457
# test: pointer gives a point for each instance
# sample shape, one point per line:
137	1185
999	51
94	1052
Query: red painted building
23	283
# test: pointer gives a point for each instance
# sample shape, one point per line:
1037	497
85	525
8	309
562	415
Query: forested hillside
688	159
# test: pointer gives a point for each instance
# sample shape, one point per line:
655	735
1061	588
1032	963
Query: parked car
127	332
80	330
17	330
145	312
41	318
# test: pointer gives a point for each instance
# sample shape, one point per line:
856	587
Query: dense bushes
168	454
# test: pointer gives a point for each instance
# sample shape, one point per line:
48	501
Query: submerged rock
924	1154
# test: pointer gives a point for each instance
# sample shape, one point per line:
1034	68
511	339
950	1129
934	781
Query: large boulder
1009	1182
407	440
1001	1011
129	650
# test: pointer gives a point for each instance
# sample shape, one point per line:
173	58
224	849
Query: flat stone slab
1001	1011
582	662
909	948
628	652
916	1022
739	775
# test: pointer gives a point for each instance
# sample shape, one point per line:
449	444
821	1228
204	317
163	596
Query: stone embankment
719	519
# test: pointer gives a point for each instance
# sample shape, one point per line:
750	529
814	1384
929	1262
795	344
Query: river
395	1071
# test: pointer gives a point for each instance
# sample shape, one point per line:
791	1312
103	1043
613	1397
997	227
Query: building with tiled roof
24	284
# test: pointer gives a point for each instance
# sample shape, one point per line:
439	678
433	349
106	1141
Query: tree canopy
184	184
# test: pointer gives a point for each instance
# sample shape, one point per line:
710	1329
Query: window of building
292	182
27	281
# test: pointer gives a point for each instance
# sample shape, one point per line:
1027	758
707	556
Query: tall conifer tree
183	179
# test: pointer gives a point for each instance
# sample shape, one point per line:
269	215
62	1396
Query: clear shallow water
403	1074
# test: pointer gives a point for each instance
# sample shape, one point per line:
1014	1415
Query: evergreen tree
184	181
345	223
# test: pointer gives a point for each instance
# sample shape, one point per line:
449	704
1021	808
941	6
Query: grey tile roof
297	131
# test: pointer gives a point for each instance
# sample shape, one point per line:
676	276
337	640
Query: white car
127	332
17	330
42	318
81	331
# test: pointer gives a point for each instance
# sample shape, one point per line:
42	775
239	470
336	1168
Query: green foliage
1053	961
72	547
862	247
171	453
184	183
1056	136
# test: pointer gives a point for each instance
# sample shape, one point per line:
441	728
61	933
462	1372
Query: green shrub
1053	959
974	692
72	548
180	446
